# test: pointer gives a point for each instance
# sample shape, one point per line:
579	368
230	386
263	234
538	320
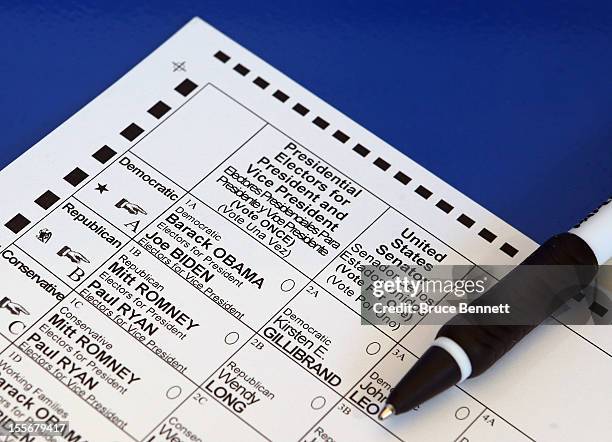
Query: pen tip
386	412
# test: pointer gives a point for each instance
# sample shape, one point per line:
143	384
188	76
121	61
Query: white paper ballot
181	261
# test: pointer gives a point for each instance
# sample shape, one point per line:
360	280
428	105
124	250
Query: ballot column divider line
400	345
193	382
78	396
187	193
198	199
399	212
343	398
119	250
257	333
124	330
378	361
397	343
471	423
413	326
392	207
93	177
129	239
459	387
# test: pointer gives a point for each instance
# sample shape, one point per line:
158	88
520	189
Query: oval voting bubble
13	327
287	285
462	413
174	392
231	338
373	348
318	403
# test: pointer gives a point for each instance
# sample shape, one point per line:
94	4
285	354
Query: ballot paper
181	261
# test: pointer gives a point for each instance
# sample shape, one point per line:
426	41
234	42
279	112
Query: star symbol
101	188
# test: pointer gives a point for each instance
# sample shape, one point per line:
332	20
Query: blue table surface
510	103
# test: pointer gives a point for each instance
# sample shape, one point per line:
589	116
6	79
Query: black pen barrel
548	278
555	272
